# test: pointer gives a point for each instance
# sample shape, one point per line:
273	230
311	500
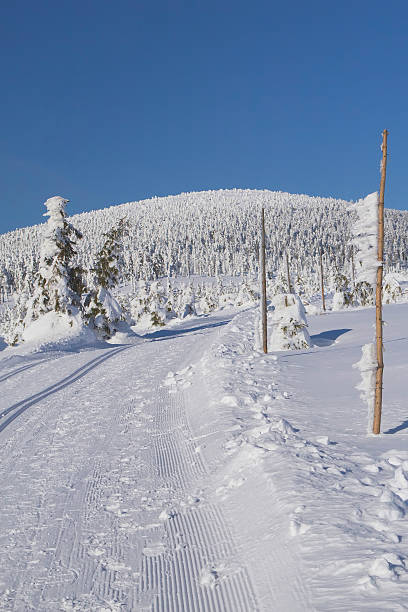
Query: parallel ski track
22	406
70	516
22	369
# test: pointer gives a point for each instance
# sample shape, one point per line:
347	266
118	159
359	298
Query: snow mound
57	331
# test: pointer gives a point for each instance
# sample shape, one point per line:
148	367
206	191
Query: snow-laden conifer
289	324
57	285
343	294
102	311
392	290
186	302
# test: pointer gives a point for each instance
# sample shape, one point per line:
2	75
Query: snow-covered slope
190	472
214	232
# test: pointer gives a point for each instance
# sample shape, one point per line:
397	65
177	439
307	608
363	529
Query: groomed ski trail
100	480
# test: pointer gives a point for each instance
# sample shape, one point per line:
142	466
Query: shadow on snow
328	337
162	334
394	430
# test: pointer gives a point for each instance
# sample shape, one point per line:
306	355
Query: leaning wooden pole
262	257
322	280
378	293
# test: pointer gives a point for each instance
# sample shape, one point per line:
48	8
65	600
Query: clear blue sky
105	102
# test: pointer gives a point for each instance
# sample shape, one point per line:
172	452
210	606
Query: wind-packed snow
368	367
365	238
187	471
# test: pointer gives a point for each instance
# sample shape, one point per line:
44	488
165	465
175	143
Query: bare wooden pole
263	285
378	293
288	274
322	280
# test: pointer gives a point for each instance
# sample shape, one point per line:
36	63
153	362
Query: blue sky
106	102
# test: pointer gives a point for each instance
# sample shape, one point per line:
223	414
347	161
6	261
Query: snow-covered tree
289	324
186	302
57	285
158	305
246	295
343	294
392	291
102	311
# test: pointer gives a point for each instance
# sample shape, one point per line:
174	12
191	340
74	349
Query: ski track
19	370
22	406
106	514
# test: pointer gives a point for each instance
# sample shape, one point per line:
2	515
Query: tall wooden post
263	285
288	274
378	293
322	280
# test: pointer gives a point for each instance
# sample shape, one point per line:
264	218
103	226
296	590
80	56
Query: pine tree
102	311
109	257
57	284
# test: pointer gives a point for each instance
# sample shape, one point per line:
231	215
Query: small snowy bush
364	293
289	329
392	291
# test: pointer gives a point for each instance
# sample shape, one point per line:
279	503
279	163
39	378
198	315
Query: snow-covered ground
187	471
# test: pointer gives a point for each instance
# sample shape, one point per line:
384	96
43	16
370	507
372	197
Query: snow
365	233
187	470
175	236
288	324
368	367
57	329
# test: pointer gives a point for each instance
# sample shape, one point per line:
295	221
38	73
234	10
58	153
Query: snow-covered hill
213	233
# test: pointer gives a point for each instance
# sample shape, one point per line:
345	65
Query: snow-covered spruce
289	325
343	295
392	291
103	313
55	303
